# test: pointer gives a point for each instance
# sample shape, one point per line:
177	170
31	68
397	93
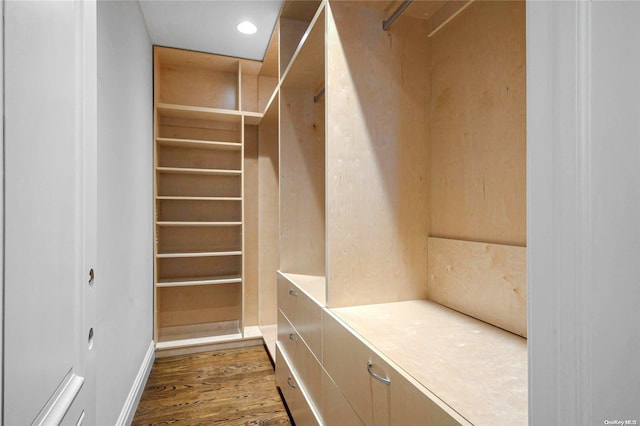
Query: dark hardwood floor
225	387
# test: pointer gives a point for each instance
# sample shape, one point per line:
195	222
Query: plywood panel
199	158
250	226
249	92
173	184
199	304
193	59
183	128
198	239
268	169
198	87
194	267
302	185
477	125
199	211
486	281
291	31
377	164
266	89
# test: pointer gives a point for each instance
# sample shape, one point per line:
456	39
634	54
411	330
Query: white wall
583	167
124	276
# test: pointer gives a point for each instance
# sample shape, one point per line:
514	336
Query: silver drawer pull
292	336
290	383
293	293
384	380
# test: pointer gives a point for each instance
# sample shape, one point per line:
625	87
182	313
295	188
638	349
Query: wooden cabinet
299	335
294	392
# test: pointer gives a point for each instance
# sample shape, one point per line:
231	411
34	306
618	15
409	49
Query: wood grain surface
226	387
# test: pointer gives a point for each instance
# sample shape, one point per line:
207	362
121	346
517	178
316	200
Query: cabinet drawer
336	410
287	336
346	360
301	360
293	393
303	312
410	405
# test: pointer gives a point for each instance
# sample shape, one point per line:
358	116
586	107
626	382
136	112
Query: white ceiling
210	25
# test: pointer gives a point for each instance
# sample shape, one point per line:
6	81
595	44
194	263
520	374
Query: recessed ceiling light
246	27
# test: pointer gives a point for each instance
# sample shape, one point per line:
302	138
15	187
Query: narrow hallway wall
124	276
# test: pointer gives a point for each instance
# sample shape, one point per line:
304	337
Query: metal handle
293	293
292	336
385	380
293	385
91	276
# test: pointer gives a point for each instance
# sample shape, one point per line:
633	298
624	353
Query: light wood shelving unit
205	106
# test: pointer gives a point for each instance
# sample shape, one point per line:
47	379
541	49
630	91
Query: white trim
558	212
131	403
60	402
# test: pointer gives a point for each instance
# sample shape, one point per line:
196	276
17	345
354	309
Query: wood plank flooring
225	387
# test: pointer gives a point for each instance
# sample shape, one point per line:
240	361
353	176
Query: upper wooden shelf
183	198
192	143
211	114
189	171
199	254
306	68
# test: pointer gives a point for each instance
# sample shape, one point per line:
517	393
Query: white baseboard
131	403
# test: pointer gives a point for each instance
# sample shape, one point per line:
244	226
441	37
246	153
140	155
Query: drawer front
301	359
284	378
337	411
294	396
303	312
287	336
346	359
411	406
308	322
287	297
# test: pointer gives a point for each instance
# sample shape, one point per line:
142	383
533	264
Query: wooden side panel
477	125
302	183
249	92
377	165
335	408
199	304
485	281
250	226
291	31
268	169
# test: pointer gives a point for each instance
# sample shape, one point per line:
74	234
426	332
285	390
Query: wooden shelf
192	143
211	114
198	334
199	254
181	223
252	118
306	68
190	171
190	281
183	198
198	113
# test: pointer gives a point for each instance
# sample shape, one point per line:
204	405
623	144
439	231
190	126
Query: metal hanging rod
386	24
319	96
